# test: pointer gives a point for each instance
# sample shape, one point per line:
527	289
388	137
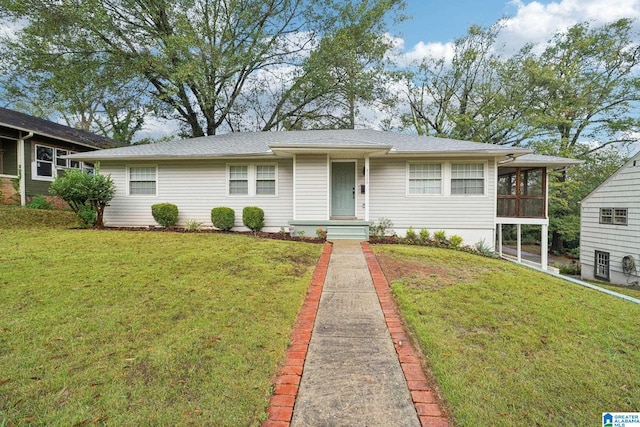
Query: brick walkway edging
424	399
288	379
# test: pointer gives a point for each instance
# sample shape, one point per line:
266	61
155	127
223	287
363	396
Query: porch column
544	246
500	239
22	172
366	187
519	246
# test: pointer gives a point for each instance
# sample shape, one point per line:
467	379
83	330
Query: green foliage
253	218
440	237
572	269
39	202
165	214
483	249
223	218
423	237
206	62
410	236
193	225
455	241
321	233
88	215
381	228
83	191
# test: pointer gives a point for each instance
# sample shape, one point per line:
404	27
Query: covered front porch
331	189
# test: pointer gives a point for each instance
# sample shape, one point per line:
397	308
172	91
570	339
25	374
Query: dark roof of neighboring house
249	144
26	123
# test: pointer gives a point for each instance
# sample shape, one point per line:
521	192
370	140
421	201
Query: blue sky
434	24
442	20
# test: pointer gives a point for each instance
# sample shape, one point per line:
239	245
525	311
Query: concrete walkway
351	376
358	367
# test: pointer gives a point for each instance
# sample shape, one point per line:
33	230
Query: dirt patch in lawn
424	274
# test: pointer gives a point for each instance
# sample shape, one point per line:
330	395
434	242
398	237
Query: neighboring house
610	228
340	180
32	153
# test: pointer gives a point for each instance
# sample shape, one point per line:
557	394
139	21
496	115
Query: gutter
579	282
22	169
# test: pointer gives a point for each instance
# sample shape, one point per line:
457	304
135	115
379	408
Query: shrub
165	214
485	250
88	215
423	237
253	218
39	202
192	225
223	218
83	191
322	234
571	269
380	229
455	241
440	237
411	237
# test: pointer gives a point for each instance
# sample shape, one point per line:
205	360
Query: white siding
622	190
196	187
472	217
312	187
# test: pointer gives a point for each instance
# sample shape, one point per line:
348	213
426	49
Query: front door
343	189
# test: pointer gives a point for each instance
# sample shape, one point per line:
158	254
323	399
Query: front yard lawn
144	328
509	346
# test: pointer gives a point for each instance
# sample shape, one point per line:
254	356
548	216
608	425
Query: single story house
340	180
32	153
610	228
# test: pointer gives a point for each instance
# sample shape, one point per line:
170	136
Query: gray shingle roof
539	159
249	144
24	122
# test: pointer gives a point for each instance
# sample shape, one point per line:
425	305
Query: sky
434	24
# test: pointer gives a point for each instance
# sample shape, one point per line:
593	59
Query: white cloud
427	50
536	23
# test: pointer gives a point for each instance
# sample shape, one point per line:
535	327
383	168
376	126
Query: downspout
21	168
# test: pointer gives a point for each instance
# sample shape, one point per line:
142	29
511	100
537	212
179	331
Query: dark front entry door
343	185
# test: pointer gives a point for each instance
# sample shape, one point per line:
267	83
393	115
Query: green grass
625	290
509	346
144	328
12	217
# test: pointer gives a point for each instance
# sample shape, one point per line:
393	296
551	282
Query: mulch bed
260	234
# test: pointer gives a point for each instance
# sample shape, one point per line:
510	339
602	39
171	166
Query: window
467	178
44	161
601	265
266	179
59	160
238	180
425	178
521	192
615	216
142	181
253	180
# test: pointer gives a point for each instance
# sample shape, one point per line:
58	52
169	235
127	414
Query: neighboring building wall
311	188
470	216
196	187
621	191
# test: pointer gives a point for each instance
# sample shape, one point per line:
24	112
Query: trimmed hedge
223	218
253	218
165	214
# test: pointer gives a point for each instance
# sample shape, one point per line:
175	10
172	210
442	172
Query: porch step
348	232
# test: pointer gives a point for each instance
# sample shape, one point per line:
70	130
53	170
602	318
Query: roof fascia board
47	135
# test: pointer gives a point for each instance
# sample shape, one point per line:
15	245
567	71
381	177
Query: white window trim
128	173
485	175
55	166
34	164
443	168
252	178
